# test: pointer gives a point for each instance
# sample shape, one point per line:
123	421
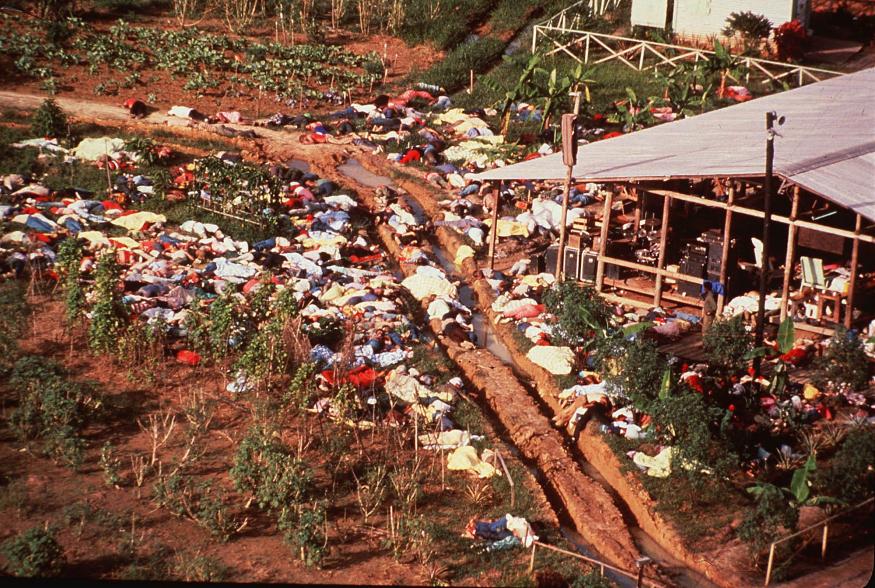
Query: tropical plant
305	528
49	120
753	28
850	476
724	64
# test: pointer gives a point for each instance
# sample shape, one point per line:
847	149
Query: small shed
701	18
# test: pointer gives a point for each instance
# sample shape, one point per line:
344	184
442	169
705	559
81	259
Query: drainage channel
486	338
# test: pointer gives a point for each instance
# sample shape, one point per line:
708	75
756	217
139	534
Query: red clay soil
77	82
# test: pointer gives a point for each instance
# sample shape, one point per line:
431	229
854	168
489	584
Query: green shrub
726	345
844	363
33	553
580	312
13	309
200	568
51	408
69	259
772	517
850	476
634	368
200	502
108	314
49	120
304	528
269	472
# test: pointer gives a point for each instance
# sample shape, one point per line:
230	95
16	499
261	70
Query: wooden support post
566	188
823	541
663	240
639	204
603	244
855	259
724	256
770	564
791	253
494	234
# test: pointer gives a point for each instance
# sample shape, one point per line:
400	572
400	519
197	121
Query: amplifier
571	266
537	264
550	257
588	266
689	289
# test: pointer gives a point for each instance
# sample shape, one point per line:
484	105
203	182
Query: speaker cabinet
588	266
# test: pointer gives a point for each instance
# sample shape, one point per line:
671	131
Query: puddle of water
299	164
353	169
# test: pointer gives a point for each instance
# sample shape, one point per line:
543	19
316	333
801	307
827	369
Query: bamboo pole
532	560
603	244
663	240
791	253
823	541
509	479
852	285
769	566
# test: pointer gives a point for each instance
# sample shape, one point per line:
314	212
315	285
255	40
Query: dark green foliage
844	363
591	579
772	517
326	330
580	312
850	476
637	370
13	310
752	27
69	259
33	553
443	24
49	120
453	71
267	470
304	529
727	345
52	408
108	314
302	388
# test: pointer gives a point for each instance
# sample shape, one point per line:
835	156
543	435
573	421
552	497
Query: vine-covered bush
580	312
108	313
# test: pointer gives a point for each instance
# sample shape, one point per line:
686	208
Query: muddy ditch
655	535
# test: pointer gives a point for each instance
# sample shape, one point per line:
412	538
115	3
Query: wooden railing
823	542
638	575
561	35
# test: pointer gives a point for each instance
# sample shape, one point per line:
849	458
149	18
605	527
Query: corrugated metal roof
826	145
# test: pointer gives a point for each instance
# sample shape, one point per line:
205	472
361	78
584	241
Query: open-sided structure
714	164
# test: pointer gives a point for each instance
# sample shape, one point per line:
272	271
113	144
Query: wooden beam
663	239
603	244
791	253
685	300
855	259
760	214
494	234
727	238
647	269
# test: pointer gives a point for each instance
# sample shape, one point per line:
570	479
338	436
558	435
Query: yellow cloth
556	360
126	242
810	392
334	292
93	237
509	228
462	253
422	286
136	221
658	466
465	459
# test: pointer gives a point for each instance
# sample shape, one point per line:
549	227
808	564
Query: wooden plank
855	258
663	239
791	253
606	221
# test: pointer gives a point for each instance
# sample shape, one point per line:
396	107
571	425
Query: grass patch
452	71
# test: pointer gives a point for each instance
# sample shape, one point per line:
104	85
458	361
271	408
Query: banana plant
522	90
725	64
634	111
556	89
798	494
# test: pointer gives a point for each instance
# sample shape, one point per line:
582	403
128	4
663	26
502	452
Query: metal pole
767	218
560	273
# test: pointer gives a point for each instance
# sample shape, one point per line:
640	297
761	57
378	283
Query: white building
708	17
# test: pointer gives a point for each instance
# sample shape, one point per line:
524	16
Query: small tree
33	553
727	344
49	120
850	475
753	28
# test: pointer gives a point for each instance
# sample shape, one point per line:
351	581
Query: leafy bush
69	259
108	314
727	344
304	528
580	312
51	408
850	476
772	517
33	553
49	120
844	363
268	471
12	311
200	568
200	502
637	372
